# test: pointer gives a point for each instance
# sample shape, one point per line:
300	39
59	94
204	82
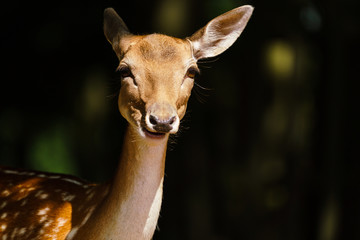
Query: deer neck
138	184
131	209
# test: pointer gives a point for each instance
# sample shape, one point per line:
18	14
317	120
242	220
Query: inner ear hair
220	33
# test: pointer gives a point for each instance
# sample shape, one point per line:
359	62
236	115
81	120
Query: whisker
203	88
173	139
200	92
208	60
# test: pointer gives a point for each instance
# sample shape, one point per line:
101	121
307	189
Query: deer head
157	71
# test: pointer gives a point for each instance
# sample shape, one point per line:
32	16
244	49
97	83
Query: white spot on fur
91	195
3	227
43	219
44	196
38	193
54	177
67	197
14	233
11	172
23	202
48	223
3	216
61	221
3	205
74	182
22	231
5	193
43	211
50	236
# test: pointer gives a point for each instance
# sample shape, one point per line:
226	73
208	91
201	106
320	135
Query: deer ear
220	33
114	28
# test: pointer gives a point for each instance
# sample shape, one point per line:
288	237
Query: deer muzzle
162	118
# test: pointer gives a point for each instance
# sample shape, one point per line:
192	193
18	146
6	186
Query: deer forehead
159	53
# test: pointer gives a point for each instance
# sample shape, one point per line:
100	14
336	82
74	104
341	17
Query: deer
157	76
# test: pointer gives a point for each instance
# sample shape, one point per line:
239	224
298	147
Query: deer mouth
153	135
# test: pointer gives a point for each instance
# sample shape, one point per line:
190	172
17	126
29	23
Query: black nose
161	125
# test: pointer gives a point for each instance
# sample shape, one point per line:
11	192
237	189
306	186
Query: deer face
157	74
157	71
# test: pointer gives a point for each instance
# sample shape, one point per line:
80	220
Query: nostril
172	120
153	120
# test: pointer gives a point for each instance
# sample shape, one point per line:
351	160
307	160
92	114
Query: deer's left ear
220	33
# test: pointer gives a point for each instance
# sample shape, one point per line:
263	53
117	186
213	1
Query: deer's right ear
115	29
220	33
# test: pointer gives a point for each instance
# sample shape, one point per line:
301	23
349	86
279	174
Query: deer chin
148	134
153	135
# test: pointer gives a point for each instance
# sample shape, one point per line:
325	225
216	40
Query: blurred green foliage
51	151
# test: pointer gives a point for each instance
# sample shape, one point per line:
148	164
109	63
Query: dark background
267	152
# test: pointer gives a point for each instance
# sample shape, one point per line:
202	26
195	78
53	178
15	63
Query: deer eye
192	72
125	72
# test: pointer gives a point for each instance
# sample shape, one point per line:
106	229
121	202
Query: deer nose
162	118
162	125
